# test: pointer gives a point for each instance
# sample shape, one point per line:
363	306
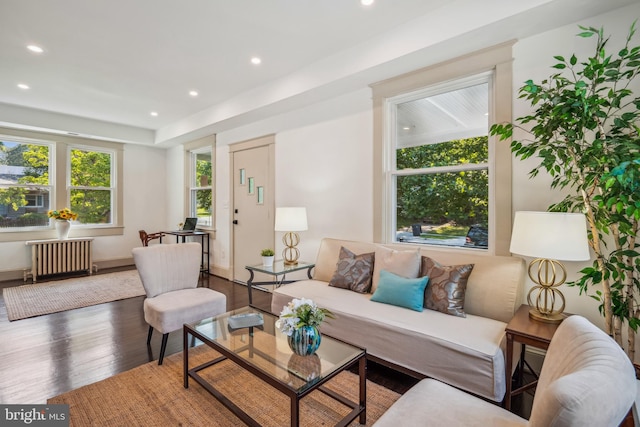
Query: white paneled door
253	206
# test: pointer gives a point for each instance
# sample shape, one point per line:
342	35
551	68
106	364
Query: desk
279	269
204	262
521	328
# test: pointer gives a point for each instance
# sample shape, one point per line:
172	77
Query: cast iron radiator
59	256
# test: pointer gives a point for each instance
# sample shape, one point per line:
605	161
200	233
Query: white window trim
496	60
112	187
58	183
207	142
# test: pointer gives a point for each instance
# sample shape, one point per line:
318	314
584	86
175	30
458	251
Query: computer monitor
190	224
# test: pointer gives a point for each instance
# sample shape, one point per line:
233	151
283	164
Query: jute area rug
61	295
152	395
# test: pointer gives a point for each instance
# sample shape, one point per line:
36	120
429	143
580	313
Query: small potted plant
267	257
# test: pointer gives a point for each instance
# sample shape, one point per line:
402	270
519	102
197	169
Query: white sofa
465	352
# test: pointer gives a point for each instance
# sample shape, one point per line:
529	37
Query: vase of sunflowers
62	219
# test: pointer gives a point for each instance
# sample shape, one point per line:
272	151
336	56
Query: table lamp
291	220
549	237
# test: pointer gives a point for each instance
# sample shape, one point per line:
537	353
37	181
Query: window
91	185
35	200
201	192
438	178
25	190
439	169
40	172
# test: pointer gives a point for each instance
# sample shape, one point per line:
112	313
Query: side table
521	328
279	271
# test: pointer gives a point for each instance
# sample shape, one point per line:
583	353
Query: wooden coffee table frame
358	409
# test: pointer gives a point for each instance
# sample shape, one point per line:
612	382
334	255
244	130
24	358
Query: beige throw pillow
447	286
353	271
402	263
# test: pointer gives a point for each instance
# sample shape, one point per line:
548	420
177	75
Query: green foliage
585	134
13	197
35	159
443	197
204	197
267	252
91	171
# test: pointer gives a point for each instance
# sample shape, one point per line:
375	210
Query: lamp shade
551	235
291	219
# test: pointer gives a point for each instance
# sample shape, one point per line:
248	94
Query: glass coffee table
264	352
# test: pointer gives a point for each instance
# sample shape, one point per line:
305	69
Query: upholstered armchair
586	380
169	274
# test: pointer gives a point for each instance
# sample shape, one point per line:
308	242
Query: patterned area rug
51	297
152	395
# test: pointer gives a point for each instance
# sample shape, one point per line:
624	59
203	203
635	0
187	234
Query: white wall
145	201
324	154
323	162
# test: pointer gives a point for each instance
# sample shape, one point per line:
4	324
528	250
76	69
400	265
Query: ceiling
107	65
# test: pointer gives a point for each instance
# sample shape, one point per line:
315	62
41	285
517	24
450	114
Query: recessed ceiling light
366	2
193	93
406	128
35	49
255	60
154	113
23	86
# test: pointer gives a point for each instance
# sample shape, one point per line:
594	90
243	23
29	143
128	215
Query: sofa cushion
447	286
467	353
494	288
403	263
400	291
353	271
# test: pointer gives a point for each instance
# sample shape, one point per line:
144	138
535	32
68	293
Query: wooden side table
521	328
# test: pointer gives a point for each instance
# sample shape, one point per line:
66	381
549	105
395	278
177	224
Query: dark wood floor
44	356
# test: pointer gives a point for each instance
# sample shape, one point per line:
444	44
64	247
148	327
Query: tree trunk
596	246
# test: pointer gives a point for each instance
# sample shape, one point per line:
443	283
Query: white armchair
169	274
586	380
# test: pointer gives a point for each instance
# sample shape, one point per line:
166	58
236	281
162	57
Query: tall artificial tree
584	129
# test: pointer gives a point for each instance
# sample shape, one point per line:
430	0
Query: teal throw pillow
397	290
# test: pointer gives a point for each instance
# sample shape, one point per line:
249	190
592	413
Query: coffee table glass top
265	347
279	267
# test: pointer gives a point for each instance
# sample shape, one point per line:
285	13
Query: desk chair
169	274
145	238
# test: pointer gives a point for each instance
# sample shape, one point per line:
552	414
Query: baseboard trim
111	263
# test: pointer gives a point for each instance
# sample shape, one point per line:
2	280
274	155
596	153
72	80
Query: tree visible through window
201	186
24	184
91	185
441	171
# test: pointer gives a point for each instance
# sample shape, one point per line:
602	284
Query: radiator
60	256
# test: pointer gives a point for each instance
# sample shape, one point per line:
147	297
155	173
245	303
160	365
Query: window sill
50	233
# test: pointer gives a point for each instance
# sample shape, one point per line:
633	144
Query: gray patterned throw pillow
447	286
353	271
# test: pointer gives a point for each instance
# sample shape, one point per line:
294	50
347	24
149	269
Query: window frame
392	172
112	187
207	143
495	60
59	195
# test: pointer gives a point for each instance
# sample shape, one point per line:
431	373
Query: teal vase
305	340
